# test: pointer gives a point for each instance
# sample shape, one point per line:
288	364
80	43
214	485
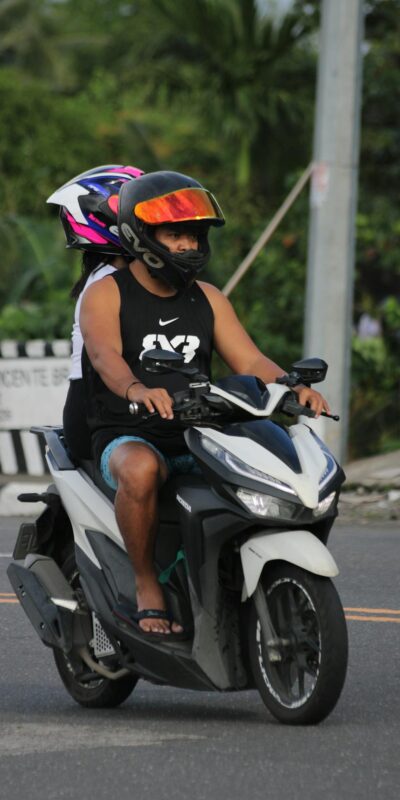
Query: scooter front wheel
91	691
298	652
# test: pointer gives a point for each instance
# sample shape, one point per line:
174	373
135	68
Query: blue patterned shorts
176	465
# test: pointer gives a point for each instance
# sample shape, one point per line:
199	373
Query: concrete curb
372	488
374	473
363	505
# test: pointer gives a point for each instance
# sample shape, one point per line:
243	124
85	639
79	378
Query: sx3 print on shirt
186	345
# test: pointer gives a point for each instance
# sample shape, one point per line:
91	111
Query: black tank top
183	323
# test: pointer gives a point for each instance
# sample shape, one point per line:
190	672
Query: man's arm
242	355
99	322
101	331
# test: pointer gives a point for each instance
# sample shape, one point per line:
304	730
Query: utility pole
333	200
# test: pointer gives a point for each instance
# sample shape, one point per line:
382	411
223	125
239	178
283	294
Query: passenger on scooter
88	212
163	221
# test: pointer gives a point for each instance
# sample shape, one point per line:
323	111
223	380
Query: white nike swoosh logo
167	321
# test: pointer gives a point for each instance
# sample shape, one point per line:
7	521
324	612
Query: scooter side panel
208	522
169	663
87	508
296	547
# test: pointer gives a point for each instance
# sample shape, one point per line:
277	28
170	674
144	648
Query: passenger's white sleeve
77	339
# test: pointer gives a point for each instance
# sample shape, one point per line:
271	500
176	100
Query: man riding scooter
163	222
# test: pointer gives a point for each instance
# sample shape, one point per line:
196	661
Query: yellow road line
363	614
372	619
8	597
374	610
370	614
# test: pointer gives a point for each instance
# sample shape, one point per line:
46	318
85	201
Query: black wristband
131	384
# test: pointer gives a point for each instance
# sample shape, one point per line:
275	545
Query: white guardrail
33	388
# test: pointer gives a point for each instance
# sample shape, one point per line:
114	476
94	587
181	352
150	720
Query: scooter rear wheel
301	673
97	692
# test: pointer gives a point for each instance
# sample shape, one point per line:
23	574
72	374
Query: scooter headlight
264	505
240	467
324	505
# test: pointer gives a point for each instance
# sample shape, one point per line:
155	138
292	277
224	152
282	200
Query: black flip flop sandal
132	618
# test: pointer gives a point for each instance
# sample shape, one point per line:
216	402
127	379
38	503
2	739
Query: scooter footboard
301	548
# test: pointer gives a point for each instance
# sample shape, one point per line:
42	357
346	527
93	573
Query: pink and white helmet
89	207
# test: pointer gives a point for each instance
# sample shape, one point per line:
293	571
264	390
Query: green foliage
270	298
375	423
375	368
47	137
240	70
34	299
51	319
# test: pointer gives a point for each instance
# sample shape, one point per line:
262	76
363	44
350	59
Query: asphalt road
167	743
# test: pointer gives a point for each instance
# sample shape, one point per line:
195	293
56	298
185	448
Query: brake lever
335	417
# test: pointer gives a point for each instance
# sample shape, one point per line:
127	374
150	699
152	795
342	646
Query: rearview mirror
311	370
162	360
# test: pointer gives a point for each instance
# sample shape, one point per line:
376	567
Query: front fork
272	641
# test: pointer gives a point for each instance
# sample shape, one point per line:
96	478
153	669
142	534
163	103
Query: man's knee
136	469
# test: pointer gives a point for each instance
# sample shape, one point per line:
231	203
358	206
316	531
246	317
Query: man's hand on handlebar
153	399
312	399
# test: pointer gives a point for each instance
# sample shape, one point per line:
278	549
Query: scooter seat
94	473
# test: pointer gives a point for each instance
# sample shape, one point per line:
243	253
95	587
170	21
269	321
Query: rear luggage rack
55	445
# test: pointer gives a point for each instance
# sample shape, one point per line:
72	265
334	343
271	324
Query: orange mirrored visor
181	206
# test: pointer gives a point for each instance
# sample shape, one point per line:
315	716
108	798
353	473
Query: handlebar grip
306	412
291	406
135	408
140	410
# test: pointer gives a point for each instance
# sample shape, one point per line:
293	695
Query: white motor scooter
241	555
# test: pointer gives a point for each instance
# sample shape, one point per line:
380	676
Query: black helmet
88	207
167	198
